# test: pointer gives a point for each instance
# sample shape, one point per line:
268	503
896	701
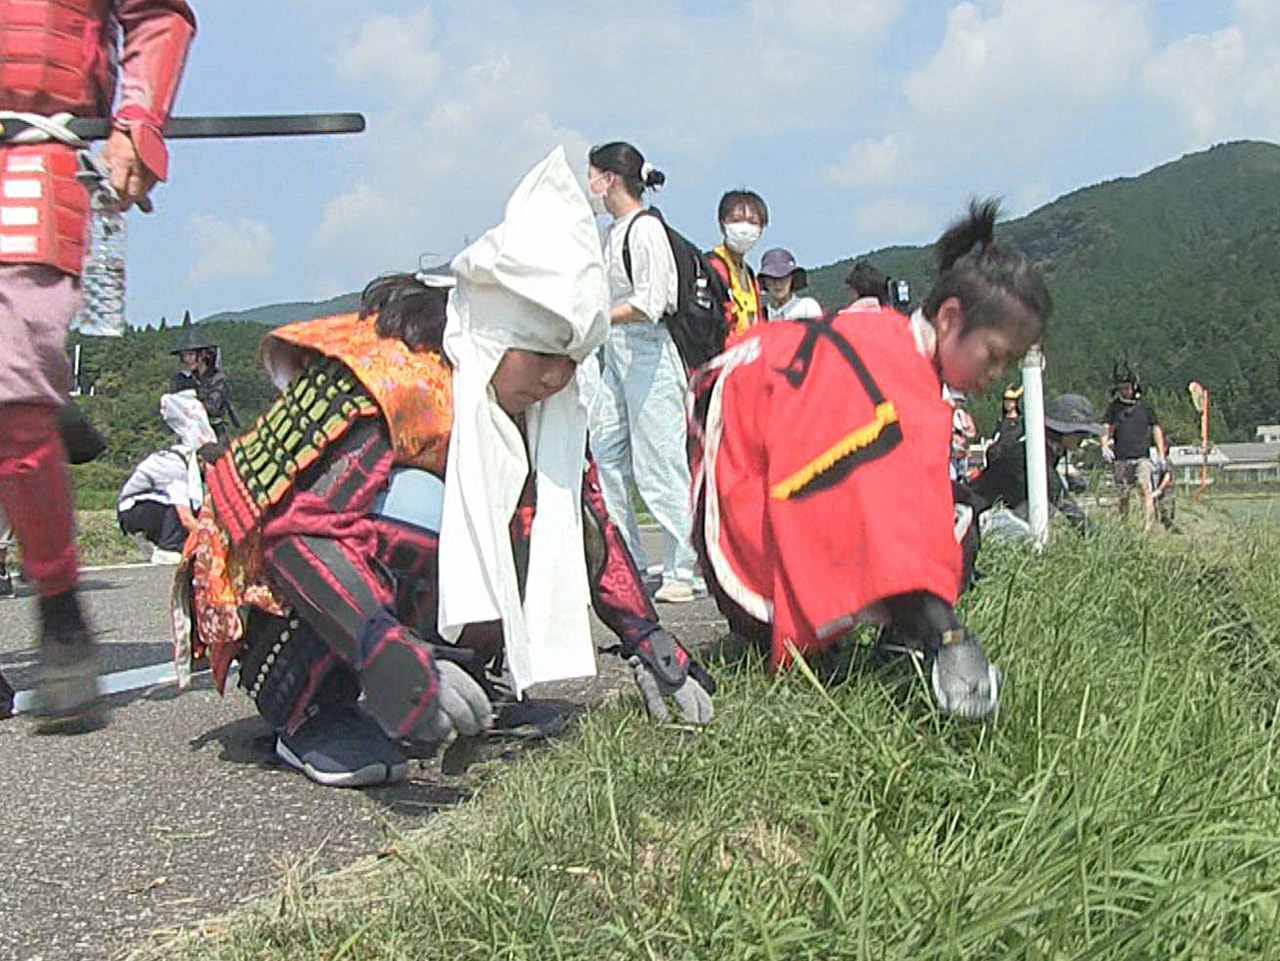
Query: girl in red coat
820	450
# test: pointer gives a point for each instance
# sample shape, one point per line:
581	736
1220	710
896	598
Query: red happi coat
820	467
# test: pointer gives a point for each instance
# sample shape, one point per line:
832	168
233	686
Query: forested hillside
1178	268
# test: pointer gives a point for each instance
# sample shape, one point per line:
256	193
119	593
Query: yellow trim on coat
886	414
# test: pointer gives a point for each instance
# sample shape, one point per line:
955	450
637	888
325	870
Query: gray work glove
461	706
663	669
965	683
693	704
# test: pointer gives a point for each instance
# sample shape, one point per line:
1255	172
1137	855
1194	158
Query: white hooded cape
535	282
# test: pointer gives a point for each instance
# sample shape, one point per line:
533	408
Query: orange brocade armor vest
413	389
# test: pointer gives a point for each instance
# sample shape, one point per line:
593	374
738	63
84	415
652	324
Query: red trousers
35	492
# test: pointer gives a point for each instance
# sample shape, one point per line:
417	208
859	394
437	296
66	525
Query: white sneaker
165	557
674	591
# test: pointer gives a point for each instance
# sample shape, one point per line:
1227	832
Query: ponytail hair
620	158
995	288
407	308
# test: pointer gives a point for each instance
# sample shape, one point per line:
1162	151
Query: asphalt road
178	810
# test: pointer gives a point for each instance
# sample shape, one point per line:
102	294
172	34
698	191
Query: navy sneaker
340	746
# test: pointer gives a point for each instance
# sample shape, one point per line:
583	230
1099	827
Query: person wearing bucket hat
200	372
1069	420
781	279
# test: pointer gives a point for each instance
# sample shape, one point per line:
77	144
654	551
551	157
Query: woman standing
637	419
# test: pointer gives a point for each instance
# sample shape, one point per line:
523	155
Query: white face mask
597	199
740	236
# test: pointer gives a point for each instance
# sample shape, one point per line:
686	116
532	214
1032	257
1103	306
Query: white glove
965	683
461	706
1108	453
693	703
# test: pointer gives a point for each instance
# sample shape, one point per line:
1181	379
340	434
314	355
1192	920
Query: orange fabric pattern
223	582
414	389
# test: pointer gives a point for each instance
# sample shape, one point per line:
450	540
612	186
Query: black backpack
697	325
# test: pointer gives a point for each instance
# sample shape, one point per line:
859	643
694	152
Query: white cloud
475	96
395	54
890	220
1224	84
1025	61
825	21
229	251
871	163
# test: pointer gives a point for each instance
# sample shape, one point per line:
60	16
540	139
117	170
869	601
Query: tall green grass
1123	805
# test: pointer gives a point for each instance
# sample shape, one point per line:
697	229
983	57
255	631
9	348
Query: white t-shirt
652	287
797	308
163	477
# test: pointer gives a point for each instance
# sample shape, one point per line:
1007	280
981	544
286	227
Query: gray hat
1071	414
193	339
779	263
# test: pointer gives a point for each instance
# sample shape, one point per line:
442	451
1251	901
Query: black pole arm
196	128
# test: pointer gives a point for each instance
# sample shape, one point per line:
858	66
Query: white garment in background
797	308
535	282
637	411
652	288
163	477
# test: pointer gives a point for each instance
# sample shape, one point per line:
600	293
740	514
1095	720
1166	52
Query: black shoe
340	746
6	698
6	584
68	698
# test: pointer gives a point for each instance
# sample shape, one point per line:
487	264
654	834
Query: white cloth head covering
535	282
186	417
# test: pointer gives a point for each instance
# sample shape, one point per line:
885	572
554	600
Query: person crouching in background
162	496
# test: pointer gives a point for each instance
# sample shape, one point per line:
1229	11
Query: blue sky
862	122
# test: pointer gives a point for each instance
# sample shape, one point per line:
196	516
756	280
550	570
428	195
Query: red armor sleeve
617	591
157	34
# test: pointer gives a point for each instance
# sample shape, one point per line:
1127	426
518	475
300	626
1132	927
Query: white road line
153	675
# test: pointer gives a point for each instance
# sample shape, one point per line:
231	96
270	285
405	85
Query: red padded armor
57	56
53	56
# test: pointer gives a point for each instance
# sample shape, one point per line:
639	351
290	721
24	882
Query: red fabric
157	34
877	522
721	269
51	227
53	56
57	56
35	492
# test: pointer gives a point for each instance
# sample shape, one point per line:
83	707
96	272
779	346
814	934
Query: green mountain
1178	268
273	315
